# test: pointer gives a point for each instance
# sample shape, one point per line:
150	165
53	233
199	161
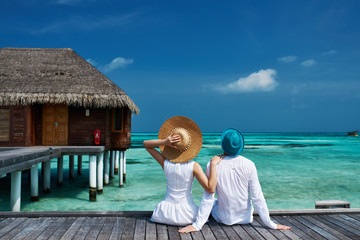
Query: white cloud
118	62
92	62
330	52
263	80
309	63
287	59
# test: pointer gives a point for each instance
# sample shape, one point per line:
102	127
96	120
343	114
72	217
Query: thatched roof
44	75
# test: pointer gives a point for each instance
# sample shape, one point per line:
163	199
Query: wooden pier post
15	197
117	157
100	172
60	170
106	167
79	171
121	169
47	168
34	183
124	178
71	166
92	178
112	163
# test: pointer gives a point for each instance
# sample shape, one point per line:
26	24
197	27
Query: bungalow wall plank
81	127
122	140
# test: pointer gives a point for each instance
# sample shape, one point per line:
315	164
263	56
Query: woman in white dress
180	140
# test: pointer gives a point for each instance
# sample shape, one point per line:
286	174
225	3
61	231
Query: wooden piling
112	163
92	178
47	168
60	170
34	183
124	175
100	172
121	169
15	198
71	166
106	167
79	171
117	157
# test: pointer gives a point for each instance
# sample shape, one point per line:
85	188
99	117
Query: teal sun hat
232	142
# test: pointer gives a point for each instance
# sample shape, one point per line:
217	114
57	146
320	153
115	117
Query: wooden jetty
102	165
306	224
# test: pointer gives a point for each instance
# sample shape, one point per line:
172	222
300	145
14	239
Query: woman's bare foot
188	229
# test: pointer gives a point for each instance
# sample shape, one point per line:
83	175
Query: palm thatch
43	75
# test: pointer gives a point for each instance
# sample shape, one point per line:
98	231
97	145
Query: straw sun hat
190	143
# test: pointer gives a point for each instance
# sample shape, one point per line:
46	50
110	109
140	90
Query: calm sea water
295	170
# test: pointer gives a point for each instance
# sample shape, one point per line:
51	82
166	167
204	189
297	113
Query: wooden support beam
34	183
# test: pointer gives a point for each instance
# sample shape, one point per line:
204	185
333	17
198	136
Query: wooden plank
129	228
241	232
150	233
185	236
34	234
161	230
57	222
84	228
276	233
95	228
8	224
197	235
107	228
140	228
349	223
216	229
350	218
63	228
73	229
294	229
343	225
262	230
251	231
330	230
230	232
279	233
320	231
173	233
207	233
118	228
304	228
34	222
17	229
338	228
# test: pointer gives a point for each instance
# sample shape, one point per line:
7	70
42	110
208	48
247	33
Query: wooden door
55	124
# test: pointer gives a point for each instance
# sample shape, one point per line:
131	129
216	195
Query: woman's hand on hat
171	140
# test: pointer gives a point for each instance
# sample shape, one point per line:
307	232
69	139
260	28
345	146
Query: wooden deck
103	226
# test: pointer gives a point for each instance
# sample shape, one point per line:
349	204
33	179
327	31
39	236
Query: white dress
178	207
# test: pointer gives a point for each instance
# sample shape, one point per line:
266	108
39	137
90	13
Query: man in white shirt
237	181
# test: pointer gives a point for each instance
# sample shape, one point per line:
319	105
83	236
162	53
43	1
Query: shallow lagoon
295	170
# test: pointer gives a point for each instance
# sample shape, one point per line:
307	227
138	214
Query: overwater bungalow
354	133
55	97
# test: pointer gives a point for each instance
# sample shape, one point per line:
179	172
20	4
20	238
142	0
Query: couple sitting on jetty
232	176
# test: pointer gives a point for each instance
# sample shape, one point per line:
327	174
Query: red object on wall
97	136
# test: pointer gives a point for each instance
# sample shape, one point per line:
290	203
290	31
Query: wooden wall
26	127
81	127
20	131
122	140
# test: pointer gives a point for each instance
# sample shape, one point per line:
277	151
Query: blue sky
259	66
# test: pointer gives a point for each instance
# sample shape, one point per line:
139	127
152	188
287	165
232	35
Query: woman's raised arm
151	144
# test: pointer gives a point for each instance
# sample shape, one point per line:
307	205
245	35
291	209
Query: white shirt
236	179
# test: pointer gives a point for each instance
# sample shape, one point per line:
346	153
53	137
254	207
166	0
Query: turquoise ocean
294	169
